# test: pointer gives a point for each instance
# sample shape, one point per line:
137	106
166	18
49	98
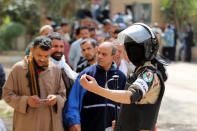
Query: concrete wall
194	54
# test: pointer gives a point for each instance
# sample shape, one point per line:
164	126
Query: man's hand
89	83
75	127
34	101
52	100
113	125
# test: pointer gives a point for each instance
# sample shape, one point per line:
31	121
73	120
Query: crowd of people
169	41
45	89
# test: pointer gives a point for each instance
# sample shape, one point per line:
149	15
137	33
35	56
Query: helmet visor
135	32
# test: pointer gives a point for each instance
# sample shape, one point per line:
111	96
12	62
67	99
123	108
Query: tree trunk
43	13
70	8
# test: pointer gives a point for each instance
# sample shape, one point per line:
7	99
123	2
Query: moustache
55	53
87	55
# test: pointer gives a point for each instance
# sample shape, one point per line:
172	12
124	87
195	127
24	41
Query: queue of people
171	39
61	83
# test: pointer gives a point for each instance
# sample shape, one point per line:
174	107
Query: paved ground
178	111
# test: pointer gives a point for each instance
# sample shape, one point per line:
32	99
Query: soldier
143	92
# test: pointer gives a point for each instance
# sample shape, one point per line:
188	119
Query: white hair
45	27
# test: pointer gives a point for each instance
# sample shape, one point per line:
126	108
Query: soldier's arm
121	96
134	93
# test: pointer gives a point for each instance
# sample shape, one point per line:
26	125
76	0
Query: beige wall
194	54
119	6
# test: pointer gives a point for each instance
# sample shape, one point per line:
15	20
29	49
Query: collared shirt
168	38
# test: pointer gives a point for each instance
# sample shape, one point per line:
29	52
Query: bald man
86	111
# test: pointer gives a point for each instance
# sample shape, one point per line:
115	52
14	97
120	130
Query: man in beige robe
36	108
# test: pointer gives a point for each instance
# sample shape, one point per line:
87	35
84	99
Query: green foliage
54	6
180	8
6	20
179	11
30	14
8	33
24	12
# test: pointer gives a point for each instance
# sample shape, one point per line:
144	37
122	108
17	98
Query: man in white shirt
57	56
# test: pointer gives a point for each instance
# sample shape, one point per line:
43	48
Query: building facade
147	11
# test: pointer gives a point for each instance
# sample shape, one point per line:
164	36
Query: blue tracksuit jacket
93	112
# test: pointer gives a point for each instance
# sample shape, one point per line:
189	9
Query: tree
24	12
180	11
32	13
71	7
51	7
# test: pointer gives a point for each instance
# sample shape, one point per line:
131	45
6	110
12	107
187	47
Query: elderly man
35	90
86	111
44	31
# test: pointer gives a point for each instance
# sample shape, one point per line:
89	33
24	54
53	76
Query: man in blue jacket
86	111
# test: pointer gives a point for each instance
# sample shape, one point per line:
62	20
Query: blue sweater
93	112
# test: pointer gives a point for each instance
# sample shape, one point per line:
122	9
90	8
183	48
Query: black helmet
142	36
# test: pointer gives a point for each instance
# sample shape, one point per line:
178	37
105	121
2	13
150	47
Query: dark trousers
168	52
173	53
188	54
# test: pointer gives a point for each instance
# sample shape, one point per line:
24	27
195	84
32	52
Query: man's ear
82	52
31	48
114	57
96	48
52	50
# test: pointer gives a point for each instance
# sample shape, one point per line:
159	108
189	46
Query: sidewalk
9	58
178	109
9	61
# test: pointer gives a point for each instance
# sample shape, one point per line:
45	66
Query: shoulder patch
148	76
